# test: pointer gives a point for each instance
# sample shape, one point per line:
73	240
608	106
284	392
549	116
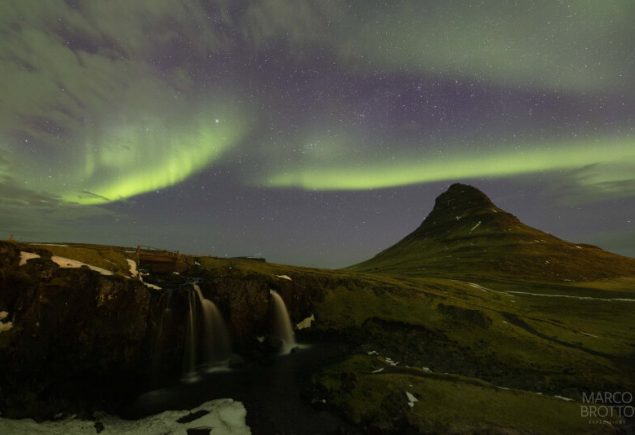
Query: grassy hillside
467	237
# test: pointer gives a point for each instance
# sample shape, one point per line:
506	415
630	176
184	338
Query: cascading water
216	345
282	328
206	343
189	361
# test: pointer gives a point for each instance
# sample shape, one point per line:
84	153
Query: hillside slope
467	236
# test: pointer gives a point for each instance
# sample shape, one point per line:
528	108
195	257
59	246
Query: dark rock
99	426
9	254
236	361
273	344
72	328
192	416
199	431
245	300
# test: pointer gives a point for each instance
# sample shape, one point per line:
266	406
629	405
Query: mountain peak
463	197
466	235
457	207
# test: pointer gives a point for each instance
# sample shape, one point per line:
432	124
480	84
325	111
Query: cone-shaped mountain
466	235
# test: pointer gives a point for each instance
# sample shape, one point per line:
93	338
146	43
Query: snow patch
151	286
378	370
49	244
389	361
478	224
581	298
133	268
306	323
480	287
67	263
5	326
224	417
589	335
566	399
411	399
26	256
287	277
147	284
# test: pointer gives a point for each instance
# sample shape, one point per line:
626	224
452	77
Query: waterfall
189	360
216	345
282	328
206	343
165	319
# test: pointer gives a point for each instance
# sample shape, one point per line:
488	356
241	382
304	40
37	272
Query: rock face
74	331
246	304
79	340
467	236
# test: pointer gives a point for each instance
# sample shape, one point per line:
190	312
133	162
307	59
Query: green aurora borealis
244	123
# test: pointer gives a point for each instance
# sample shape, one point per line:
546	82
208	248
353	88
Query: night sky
313	132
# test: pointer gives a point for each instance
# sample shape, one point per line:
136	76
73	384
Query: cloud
596	183
101	97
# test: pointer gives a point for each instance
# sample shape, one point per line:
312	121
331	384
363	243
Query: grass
446	403
109	258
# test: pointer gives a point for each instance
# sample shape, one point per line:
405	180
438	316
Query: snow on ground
411	399
4	326
151	286
480	287
389	361
48	244
582	298
478	224
225	417
287	277
306	323
147	284
133	268
68	263
566	399
26	256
